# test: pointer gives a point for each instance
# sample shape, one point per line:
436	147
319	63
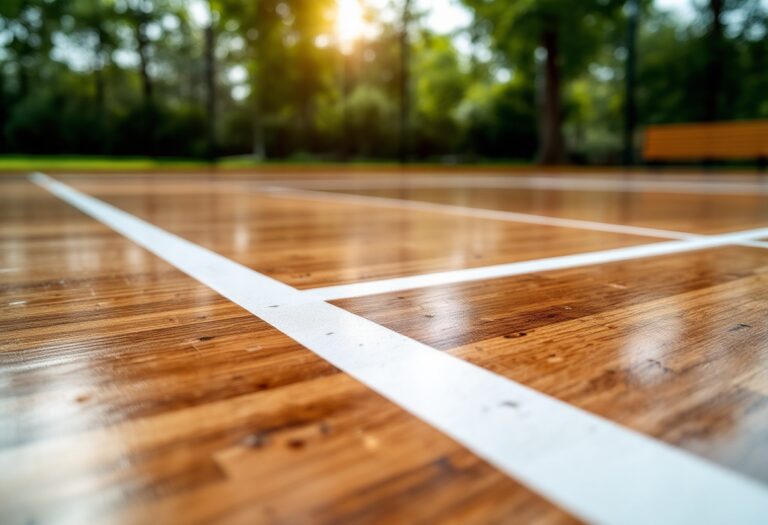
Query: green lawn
42	163
21	163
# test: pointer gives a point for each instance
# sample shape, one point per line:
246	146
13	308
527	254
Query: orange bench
707	141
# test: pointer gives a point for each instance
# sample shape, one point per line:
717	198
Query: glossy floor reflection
675	346
131	393
311	244
692	213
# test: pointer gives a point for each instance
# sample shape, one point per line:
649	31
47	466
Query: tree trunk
346	142
552	148
210	91
146	79
99	89
405	81
3	113
100	106
304	94
22	80
259	52
308	75
715	66
147	88
630	109
99	66
259	148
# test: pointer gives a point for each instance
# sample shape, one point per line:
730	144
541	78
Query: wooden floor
131	392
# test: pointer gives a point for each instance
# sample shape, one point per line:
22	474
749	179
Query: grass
23	163
27	163
56	162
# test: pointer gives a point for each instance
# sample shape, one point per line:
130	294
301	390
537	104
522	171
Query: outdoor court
384	347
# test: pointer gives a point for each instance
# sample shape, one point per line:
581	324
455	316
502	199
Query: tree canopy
529	79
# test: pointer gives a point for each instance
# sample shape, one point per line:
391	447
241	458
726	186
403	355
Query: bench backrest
716	140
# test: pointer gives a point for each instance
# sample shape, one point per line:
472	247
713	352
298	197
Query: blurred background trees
328	80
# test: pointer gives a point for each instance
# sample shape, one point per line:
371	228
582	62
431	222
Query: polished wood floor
672	211
131	393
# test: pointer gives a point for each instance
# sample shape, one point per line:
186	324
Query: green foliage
673	73
516	28
498	120
127	77
440	86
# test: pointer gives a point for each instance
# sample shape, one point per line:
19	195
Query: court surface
341	347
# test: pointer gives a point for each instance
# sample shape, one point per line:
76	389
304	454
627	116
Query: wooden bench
707	141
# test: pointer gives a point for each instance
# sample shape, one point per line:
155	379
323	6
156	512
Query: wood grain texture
675	347
707	140
131	394
691	213
312	244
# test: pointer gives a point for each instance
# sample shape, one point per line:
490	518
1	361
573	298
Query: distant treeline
526	79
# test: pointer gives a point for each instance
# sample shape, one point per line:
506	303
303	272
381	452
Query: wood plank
710	140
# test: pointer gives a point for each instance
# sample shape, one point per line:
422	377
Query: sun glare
350	23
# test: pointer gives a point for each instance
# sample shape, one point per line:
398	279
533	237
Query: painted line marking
395	284
271	188
755	244
558	183
480	213
594	468
498	215
684	242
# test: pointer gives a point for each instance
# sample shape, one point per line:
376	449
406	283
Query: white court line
686	242
755	244
596	469
359	289
479	213
533	183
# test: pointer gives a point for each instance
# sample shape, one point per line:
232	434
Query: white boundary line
535	183
479	213
684	242
359	289
754	244
270	188
592	467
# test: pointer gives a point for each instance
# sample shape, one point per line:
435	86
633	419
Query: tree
138	16
29	26
715	66
439	86
566	34
720	51
677	81
405	91
133	77
209	59
254	21
94	29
